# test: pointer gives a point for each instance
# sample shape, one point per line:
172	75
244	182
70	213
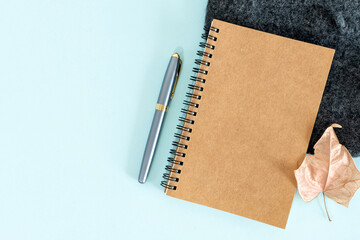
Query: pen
166	94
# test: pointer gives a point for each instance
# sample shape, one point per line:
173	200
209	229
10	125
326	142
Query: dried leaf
330	170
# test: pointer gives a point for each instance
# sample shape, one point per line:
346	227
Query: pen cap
170	79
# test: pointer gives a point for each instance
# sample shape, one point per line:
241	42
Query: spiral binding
189	109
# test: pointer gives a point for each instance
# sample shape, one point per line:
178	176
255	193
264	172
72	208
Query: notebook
247	122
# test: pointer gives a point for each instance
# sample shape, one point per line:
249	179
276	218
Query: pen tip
176	55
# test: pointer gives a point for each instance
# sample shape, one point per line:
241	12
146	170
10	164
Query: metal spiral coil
186	120
200	70
204	54
168	186
187	111
167	176
176	153
183	137
175	161
179	145
195	87
191	104
208	28
182	128
194	96
207	45
202	62
197	79
205	37
171	169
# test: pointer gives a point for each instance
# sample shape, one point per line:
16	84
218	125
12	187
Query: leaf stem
326	207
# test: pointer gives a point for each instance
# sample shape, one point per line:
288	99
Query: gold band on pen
161	107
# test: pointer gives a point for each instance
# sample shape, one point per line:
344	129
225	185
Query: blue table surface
78	85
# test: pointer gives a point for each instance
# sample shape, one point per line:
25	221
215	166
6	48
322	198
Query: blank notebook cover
248	122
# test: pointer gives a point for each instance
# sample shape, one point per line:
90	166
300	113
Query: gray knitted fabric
334	24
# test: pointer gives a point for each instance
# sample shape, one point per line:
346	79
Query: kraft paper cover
253	123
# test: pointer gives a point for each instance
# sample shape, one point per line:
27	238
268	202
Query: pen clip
177	74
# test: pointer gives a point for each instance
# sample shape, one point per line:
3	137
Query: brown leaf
330	170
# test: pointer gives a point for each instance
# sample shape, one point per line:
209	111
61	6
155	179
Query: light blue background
78	86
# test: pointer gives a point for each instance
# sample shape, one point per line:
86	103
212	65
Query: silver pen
166	94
